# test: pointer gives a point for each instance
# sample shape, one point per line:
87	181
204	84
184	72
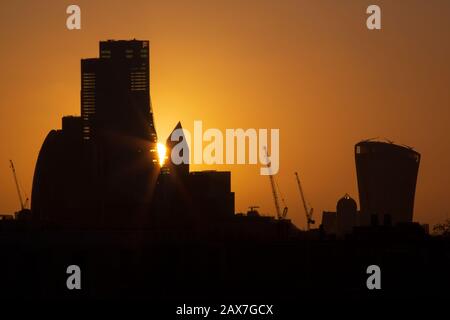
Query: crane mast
273	185
275	196
308	213
22	204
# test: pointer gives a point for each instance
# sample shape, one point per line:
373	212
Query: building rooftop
366	146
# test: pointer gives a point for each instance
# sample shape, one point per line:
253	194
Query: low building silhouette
211	194
329	224
342	221
346	216
6	216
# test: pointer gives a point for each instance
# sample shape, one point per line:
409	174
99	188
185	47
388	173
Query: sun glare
161	153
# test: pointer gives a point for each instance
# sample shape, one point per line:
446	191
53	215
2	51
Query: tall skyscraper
387	175
115	93
118	119
102	167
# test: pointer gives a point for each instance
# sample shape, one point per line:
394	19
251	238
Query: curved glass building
387	175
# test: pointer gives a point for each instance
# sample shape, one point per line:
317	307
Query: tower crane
23	205
280	214
308	212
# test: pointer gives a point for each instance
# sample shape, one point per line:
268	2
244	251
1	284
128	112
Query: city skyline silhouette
326	90
361	177
95	204
103	202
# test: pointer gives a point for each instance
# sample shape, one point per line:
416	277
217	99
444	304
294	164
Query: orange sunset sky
310	68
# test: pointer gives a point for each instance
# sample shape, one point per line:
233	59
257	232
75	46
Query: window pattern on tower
106	54
139	79
87	102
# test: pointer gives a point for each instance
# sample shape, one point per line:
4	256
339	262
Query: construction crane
280	214
23	205
308	212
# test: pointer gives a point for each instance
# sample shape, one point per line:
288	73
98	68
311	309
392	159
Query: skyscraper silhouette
117	116
104	164
115	92
387	175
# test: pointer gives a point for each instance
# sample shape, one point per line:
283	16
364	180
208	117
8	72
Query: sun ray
161	153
